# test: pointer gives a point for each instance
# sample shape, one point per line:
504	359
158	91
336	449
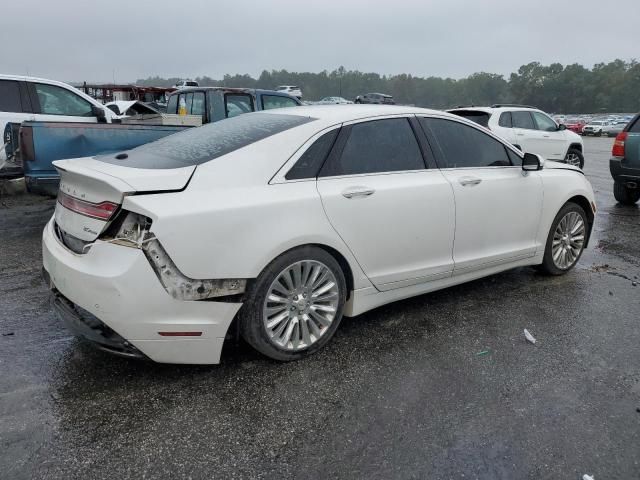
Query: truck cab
218	103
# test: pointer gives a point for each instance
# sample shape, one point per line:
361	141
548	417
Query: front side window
10	96
310	162
237	104
462	146
544	123
275	101
523	119
197	105
377	146
56	100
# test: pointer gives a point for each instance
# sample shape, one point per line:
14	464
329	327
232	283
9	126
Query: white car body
334	101
186	84
30	112
552	144
228	218
292	90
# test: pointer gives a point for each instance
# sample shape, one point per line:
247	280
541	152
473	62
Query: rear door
497	204
394	214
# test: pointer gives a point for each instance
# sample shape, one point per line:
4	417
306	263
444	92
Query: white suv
529	129
292	90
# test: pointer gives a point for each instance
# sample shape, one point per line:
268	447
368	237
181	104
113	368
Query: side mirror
562	126
531	162
99	114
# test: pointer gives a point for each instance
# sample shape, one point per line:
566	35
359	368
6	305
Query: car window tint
310	162
463	146
481	118
172	104
515	159
10	96
195	146
522	119
275	101
197	104
505	120
544	123
56	100
635	128
237	104
378	146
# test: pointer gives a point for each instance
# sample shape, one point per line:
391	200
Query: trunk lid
91	192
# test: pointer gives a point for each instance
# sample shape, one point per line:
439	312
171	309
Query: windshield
202	144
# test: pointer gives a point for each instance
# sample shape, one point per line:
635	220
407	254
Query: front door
498	205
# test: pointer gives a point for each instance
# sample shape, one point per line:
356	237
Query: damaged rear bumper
116	286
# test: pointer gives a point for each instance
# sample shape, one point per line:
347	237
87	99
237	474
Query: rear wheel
574	157
295	306
624	194
566	240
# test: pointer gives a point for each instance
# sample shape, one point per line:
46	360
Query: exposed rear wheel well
344	265
586	206
575	146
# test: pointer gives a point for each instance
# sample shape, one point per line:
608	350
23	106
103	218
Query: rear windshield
481	118
202	144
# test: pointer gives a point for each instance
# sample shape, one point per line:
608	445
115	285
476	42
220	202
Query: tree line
607	87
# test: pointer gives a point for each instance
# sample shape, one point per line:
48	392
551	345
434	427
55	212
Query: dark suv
625	163
377	98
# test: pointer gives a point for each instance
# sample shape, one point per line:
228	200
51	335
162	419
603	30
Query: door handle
546	136
469	181
353	192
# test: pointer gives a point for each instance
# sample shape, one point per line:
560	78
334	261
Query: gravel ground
439	386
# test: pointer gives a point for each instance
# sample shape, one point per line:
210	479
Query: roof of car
347	112
493	109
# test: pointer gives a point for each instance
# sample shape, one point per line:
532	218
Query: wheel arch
576	146
583	202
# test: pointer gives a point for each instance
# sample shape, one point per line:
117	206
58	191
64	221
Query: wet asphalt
439	386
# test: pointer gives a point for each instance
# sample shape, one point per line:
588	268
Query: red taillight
618	145
101	211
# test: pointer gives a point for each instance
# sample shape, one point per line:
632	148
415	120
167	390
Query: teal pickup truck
625	163
40	143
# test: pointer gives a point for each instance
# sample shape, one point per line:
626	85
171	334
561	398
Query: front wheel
574	157
566	240
295	306
624	194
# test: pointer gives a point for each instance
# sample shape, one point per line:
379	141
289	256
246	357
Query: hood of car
550	164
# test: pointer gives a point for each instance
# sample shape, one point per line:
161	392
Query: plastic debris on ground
529	337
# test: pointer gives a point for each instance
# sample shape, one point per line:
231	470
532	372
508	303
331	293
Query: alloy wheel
568	240
573	159
301	304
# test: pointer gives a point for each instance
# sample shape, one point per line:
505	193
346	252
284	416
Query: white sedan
289	219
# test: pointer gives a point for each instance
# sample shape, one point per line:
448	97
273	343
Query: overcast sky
93	40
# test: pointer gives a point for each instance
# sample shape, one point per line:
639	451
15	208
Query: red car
576	126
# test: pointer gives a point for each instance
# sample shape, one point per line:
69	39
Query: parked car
334	101
575	125
38	99
186	84
292	90
131	108
290	219
375	98
42	145
595	128
615	128
625	163
529	129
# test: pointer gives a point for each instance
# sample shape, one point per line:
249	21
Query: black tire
578	153
599	134
624	194
548	266
250	318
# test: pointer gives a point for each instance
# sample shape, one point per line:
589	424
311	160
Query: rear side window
481	118
635	128
275	101
310	162
523	119
377	146
195	146
237	104
505	120
197	105
56	100
10	96
462	146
